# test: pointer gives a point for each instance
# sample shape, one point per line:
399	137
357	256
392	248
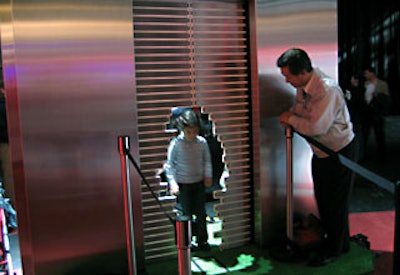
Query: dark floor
370	197
366	196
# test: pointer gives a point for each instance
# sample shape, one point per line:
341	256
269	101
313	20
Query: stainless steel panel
312	26
69	76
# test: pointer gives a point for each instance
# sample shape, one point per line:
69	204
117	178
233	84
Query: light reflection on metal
71	96
312	26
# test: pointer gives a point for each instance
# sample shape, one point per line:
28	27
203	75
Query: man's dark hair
370	69
296	60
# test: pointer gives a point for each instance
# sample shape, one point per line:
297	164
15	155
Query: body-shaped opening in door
219	170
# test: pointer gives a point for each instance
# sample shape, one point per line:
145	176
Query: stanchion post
183	238
289	182
124	147
396	248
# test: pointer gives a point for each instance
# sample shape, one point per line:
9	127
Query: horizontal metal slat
226	127
151	76
235	180
223	111
202	8
233	207
231	116
151	204
143	24
148	86
221	93
160	70
157	256
233	230
159	235
224	16
224	61
234	98
150	214
221	106
147	163
207	77
152	155
158	17
209	69
148	150
160	101
237	235
200	47
236	217
158	252
228	141
163	229
155	55
156	244
162	221
145	32
239	161
155	214
230	198
160	39
155	127
206	33
159	62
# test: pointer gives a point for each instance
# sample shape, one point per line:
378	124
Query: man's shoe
322	259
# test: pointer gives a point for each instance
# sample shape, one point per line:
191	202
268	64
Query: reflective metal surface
69	83
310	25
69	79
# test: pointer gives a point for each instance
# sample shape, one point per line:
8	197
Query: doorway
194	53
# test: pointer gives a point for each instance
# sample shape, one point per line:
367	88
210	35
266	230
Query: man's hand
284	118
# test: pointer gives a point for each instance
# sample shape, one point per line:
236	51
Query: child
189	172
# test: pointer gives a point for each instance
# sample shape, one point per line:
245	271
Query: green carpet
255	261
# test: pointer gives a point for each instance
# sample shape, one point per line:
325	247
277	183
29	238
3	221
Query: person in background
377	99
320	112
354	95
5	169
6	180
189	172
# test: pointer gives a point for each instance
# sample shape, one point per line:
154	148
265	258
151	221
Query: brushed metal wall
312	26
69	79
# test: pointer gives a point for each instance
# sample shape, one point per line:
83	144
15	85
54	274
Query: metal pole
183	237
123	146
396	248
289	183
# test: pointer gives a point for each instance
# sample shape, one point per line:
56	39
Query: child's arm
207	166
170	169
